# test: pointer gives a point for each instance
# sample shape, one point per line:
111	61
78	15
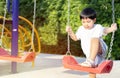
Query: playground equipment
23	42
70	62
28	57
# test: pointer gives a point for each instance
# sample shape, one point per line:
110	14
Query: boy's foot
88	63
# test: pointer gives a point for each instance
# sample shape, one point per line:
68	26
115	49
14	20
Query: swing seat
28	57
70	63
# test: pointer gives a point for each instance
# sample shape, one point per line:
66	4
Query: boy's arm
108	30
71	33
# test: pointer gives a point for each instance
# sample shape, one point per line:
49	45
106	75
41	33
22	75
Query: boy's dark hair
88	13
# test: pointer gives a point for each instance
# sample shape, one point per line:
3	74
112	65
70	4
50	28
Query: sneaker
88	63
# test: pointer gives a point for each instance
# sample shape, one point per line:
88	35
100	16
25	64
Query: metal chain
34	16
112	38
68	19
68	24
3	26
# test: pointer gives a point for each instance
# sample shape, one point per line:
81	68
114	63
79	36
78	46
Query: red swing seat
70	63
28	57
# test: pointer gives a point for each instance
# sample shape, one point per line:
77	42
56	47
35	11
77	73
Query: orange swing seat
70	63
28	57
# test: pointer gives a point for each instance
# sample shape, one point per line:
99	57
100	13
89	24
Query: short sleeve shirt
86	35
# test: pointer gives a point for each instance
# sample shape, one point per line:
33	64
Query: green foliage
2	3
1	6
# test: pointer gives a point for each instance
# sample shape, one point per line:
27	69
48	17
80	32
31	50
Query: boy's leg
95	47
92	75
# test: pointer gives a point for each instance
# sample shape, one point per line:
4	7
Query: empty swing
4	55
71	63
28	57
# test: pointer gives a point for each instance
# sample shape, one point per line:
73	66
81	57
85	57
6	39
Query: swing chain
3	27
34	16
112	38
68	24
111	44
68	20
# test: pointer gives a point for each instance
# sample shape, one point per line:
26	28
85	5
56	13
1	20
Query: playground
20	48
50	66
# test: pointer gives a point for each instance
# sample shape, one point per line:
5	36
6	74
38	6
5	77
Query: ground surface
50	66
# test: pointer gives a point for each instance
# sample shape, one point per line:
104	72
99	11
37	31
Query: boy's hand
68	29
114	27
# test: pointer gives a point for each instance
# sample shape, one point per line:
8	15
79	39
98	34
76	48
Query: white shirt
86	35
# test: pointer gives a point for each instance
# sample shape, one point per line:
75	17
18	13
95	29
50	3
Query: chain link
112	38
3	25
34	16
68	24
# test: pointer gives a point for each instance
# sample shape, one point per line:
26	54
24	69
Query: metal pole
14	48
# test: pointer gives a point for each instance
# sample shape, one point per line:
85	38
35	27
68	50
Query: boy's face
88	23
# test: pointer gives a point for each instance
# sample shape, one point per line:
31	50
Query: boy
90	35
